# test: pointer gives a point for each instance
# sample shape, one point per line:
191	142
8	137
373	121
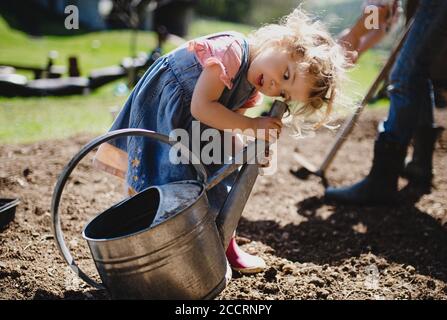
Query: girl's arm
206	108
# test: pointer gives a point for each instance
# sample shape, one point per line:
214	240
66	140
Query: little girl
214	79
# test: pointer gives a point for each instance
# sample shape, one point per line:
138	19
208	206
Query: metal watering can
164	242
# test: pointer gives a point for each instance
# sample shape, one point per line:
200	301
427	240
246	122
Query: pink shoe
243	262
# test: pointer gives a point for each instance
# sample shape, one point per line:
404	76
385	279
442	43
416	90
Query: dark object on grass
12	85
100	77
7	211
50	71
48	82
15	85
59	87
73	67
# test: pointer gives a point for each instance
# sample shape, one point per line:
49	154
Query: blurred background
57	82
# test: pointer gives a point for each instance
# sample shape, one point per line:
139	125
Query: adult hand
350	42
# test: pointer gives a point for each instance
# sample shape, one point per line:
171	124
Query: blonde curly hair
316	53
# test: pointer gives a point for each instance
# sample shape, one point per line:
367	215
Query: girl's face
274	73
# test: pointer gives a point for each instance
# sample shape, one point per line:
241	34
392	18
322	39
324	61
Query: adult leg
419	170
410	92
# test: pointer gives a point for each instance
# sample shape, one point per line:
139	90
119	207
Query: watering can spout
231	210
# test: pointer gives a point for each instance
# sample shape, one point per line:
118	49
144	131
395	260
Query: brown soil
313	250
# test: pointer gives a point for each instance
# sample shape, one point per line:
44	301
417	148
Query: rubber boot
419	171
380	186
243	262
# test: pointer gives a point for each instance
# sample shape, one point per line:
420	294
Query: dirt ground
313	250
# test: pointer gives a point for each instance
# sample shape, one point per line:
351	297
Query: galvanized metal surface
179	258
162	243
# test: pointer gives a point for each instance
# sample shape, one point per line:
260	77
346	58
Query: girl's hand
267	124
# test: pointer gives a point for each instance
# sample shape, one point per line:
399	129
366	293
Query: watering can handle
63	178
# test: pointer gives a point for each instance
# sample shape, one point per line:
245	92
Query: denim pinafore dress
161	102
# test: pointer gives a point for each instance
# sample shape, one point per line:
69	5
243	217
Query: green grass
28	120
363	75
111	47
24	120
